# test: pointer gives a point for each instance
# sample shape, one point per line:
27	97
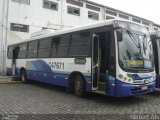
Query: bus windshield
135	50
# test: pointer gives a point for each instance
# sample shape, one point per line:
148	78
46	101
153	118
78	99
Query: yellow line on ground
10	82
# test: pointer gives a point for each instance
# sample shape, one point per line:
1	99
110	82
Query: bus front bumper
125	89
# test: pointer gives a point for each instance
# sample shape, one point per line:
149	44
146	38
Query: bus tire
70	88
79	86
23	76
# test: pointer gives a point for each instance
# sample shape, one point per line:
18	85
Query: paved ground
41	100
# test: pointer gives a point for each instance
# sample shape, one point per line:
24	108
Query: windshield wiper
133	39
144	43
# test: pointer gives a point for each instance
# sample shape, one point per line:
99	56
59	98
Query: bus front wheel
23	75
79	86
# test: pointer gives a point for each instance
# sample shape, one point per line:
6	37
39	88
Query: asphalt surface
40	101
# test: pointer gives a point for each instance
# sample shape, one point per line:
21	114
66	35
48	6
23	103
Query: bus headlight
120	76
129	80
125	78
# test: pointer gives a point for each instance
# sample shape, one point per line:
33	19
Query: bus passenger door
15	56
95	61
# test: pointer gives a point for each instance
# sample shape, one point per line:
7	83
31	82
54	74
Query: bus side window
32	49
10	52
15	52
22	50
60	47
44	48
80	44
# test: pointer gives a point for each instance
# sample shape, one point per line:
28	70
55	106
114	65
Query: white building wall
73	20
1	37
33	15
3	29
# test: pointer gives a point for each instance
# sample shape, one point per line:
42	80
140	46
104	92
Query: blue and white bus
155	38
112	57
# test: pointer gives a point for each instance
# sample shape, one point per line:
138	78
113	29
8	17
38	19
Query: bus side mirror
119	35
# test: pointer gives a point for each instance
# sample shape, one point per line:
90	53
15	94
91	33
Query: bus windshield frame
135	51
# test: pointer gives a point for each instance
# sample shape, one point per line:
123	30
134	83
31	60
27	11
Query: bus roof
78	28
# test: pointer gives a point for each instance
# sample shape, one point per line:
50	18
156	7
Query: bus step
102	86
100	92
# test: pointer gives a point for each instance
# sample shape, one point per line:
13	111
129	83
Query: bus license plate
144	88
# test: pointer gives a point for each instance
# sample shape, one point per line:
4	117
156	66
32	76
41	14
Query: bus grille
138	82
141	82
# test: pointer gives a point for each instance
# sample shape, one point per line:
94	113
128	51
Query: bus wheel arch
23	74
76	78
